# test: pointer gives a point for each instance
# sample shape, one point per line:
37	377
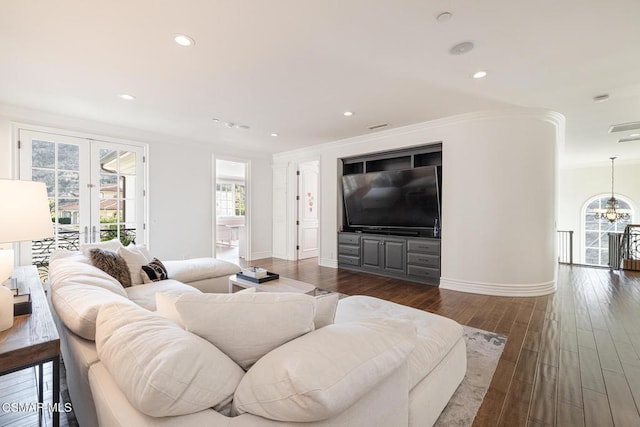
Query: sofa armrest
191	270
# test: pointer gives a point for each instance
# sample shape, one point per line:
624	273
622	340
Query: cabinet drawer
431	275
349	250
424	246
349	260
424	260
348	239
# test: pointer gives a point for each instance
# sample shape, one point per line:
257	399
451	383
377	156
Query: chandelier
612	211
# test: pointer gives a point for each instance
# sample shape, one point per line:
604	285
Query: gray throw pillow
112	264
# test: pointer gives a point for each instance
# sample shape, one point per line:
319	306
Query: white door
308	210
95	189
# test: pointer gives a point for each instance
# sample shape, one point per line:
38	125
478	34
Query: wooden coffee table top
283	284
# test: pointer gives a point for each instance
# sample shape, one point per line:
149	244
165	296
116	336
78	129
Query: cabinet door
372	252
395	252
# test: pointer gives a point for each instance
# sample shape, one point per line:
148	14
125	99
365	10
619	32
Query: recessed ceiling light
348	113
601	98
480	74
183	40
275	134
444	17
461	48
127	96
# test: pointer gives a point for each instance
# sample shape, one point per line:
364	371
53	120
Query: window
596	238
230	199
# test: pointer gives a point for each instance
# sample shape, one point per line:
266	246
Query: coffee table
283	284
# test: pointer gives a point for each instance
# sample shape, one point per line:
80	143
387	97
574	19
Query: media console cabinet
393	254
410	258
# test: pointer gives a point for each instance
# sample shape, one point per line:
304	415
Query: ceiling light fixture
348	113
127	96
461	48
275	134
184	40
622	127
444	17
613	212
480	74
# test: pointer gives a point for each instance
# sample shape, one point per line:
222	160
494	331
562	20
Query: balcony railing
70	240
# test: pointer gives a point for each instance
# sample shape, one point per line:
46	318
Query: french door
96	190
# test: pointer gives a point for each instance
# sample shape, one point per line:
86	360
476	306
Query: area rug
483	352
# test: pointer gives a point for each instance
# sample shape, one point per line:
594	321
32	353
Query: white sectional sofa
395	365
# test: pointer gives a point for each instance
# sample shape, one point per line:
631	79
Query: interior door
308	224
96	190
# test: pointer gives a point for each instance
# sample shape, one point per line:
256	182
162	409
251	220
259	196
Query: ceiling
293	67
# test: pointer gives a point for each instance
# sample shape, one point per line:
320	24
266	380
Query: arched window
596	238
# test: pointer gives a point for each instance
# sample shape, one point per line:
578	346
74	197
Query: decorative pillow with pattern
154	271
112	264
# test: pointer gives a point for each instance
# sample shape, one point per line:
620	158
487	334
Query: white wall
578	185
499	190
180	184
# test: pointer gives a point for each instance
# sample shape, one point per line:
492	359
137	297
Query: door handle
86	234
93	237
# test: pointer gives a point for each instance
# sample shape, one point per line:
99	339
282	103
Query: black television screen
394	199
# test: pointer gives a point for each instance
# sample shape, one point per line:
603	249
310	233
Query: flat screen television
392	199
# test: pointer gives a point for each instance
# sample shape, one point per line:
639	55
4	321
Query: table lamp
24	216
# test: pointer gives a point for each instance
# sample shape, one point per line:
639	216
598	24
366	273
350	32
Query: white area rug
483	352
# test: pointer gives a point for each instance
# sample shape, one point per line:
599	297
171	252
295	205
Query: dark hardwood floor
571	358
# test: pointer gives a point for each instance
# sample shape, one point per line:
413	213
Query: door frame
17	126
247	207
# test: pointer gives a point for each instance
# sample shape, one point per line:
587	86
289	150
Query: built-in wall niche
428	155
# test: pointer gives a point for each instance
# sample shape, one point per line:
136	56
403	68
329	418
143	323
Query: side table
33	340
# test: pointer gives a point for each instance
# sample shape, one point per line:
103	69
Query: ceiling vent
624	127
629	139
381	125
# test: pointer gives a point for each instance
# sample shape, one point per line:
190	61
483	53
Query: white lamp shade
25	211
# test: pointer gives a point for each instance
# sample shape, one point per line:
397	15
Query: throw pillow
321	374
135	260
112	264
154	271
326	306
162	369
109	245
246	326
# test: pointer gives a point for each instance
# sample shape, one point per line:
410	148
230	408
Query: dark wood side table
33	340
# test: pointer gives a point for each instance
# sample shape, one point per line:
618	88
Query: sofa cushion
436	334
145	295
154	271
326	306
195	269
246	326
109	245
77	305
135	259
112	264
162	369
166	305
321	374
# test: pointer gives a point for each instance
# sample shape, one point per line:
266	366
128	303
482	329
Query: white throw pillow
246	326
321	374
166	305
326	306
162	369
135	259
109	245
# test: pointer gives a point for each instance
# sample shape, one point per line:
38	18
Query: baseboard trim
328	262
499	289
259	255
